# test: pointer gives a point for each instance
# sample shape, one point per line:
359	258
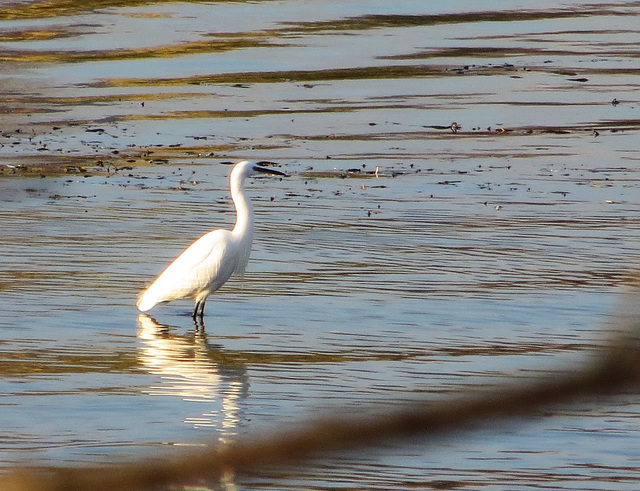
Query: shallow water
402	259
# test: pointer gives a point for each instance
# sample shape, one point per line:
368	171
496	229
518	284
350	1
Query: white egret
211	260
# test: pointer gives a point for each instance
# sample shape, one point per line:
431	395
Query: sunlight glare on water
404	258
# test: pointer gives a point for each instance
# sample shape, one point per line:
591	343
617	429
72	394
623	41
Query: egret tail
146	301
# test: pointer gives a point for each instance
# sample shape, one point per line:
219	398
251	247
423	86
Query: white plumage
211	260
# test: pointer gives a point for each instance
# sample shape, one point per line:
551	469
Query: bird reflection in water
195	371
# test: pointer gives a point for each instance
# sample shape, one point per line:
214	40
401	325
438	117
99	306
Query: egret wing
204	265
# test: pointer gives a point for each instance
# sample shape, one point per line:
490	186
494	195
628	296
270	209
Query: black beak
268	170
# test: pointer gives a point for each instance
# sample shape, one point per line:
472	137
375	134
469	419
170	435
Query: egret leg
198	311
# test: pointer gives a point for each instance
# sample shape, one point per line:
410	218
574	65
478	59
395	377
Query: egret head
246	168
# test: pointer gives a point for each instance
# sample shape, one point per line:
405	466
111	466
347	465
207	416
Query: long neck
244	210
